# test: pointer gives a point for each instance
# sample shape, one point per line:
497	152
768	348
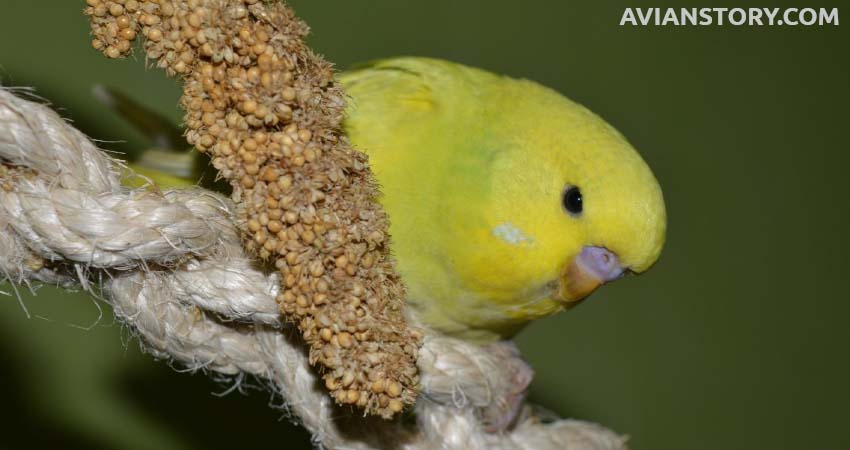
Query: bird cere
268	113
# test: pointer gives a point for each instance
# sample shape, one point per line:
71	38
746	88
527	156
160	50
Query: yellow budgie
508	202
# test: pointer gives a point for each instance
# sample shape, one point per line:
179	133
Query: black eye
572	200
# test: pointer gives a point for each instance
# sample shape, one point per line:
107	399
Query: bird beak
592	268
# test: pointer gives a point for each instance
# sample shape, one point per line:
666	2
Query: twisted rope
174	270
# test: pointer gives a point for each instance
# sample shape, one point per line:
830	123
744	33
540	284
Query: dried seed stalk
268	112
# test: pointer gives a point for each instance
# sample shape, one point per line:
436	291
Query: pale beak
592	268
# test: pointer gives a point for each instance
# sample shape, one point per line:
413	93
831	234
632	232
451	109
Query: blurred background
737	339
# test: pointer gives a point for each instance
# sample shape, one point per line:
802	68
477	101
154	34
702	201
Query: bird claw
507	407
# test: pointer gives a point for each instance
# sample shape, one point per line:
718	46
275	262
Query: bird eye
572	200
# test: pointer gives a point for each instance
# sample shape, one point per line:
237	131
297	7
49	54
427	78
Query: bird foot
508	404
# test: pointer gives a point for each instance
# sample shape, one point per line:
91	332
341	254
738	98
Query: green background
737	339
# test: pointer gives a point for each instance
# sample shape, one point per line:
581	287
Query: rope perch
182	280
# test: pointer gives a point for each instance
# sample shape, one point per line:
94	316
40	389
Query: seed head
267	111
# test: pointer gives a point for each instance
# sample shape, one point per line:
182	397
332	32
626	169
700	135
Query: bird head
570	205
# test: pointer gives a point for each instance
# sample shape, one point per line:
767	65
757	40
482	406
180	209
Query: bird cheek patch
510	234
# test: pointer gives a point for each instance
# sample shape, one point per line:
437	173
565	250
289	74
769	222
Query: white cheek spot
511	234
